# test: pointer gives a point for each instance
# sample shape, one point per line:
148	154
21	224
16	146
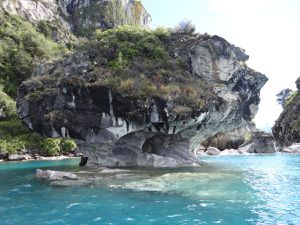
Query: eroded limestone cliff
137	97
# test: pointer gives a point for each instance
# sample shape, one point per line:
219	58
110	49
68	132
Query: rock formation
150	109
287	127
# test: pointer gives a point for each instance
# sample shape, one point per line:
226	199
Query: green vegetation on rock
15	137
22	47
139	64
7	106
287	127
131	42
57	146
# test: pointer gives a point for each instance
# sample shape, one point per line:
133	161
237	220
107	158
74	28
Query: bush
162	32
126	86
15	137
11	146
57	146
51	146
7	105
67	145
131	42
185	27
291	98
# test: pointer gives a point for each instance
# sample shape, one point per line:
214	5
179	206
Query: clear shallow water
232	190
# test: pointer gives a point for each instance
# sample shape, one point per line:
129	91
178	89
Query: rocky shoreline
28	157
248	150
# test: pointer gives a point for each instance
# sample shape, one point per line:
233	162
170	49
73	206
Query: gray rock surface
249	148
212	151
16	157
261	143
294	148
232	152
50	175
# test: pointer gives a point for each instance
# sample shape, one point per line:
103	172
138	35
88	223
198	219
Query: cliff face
143	98
82	17
287	127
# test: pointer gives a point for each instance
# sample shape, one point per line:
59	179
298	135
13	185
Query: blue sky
269	30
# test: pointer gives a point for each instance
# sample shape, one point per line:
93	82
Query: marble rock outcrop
120	130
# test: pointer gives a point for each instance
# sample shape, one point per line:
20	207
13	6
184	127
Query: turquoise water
232	190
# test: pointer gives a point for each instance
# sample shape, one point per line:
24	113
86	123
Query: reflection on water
233	190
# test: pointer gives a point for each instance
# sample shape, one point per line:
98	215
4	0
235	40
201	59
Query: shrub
291	98
162	32
56	146
67	145
146	88
131	42
11	146
126	86
14	137
185	27
7	105
51	146
248	136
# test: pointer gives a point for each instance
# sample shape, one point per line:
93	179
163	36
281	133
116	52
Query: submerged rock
51	175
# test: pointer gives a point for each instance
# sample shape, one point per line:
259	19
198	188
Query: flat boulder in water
51	175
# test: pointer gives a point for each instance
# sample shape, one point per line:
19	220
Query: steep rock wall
79	16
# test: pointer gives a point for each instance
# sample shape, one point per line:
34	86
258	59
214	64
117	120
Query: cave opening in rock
150	147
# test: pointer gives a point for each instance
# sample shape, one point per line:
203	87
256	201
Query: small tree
283	96
185	27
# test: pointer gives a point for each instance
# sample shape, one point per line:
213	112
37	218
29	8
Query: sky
269	30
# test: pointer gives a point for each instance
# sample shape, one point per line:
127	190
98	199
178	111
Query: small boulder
230	152
264	142
249	148
15	157
51	175
294	148
212	151
83	161
261	143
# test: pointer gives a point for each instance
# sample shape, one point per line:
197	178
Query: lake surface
231	190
